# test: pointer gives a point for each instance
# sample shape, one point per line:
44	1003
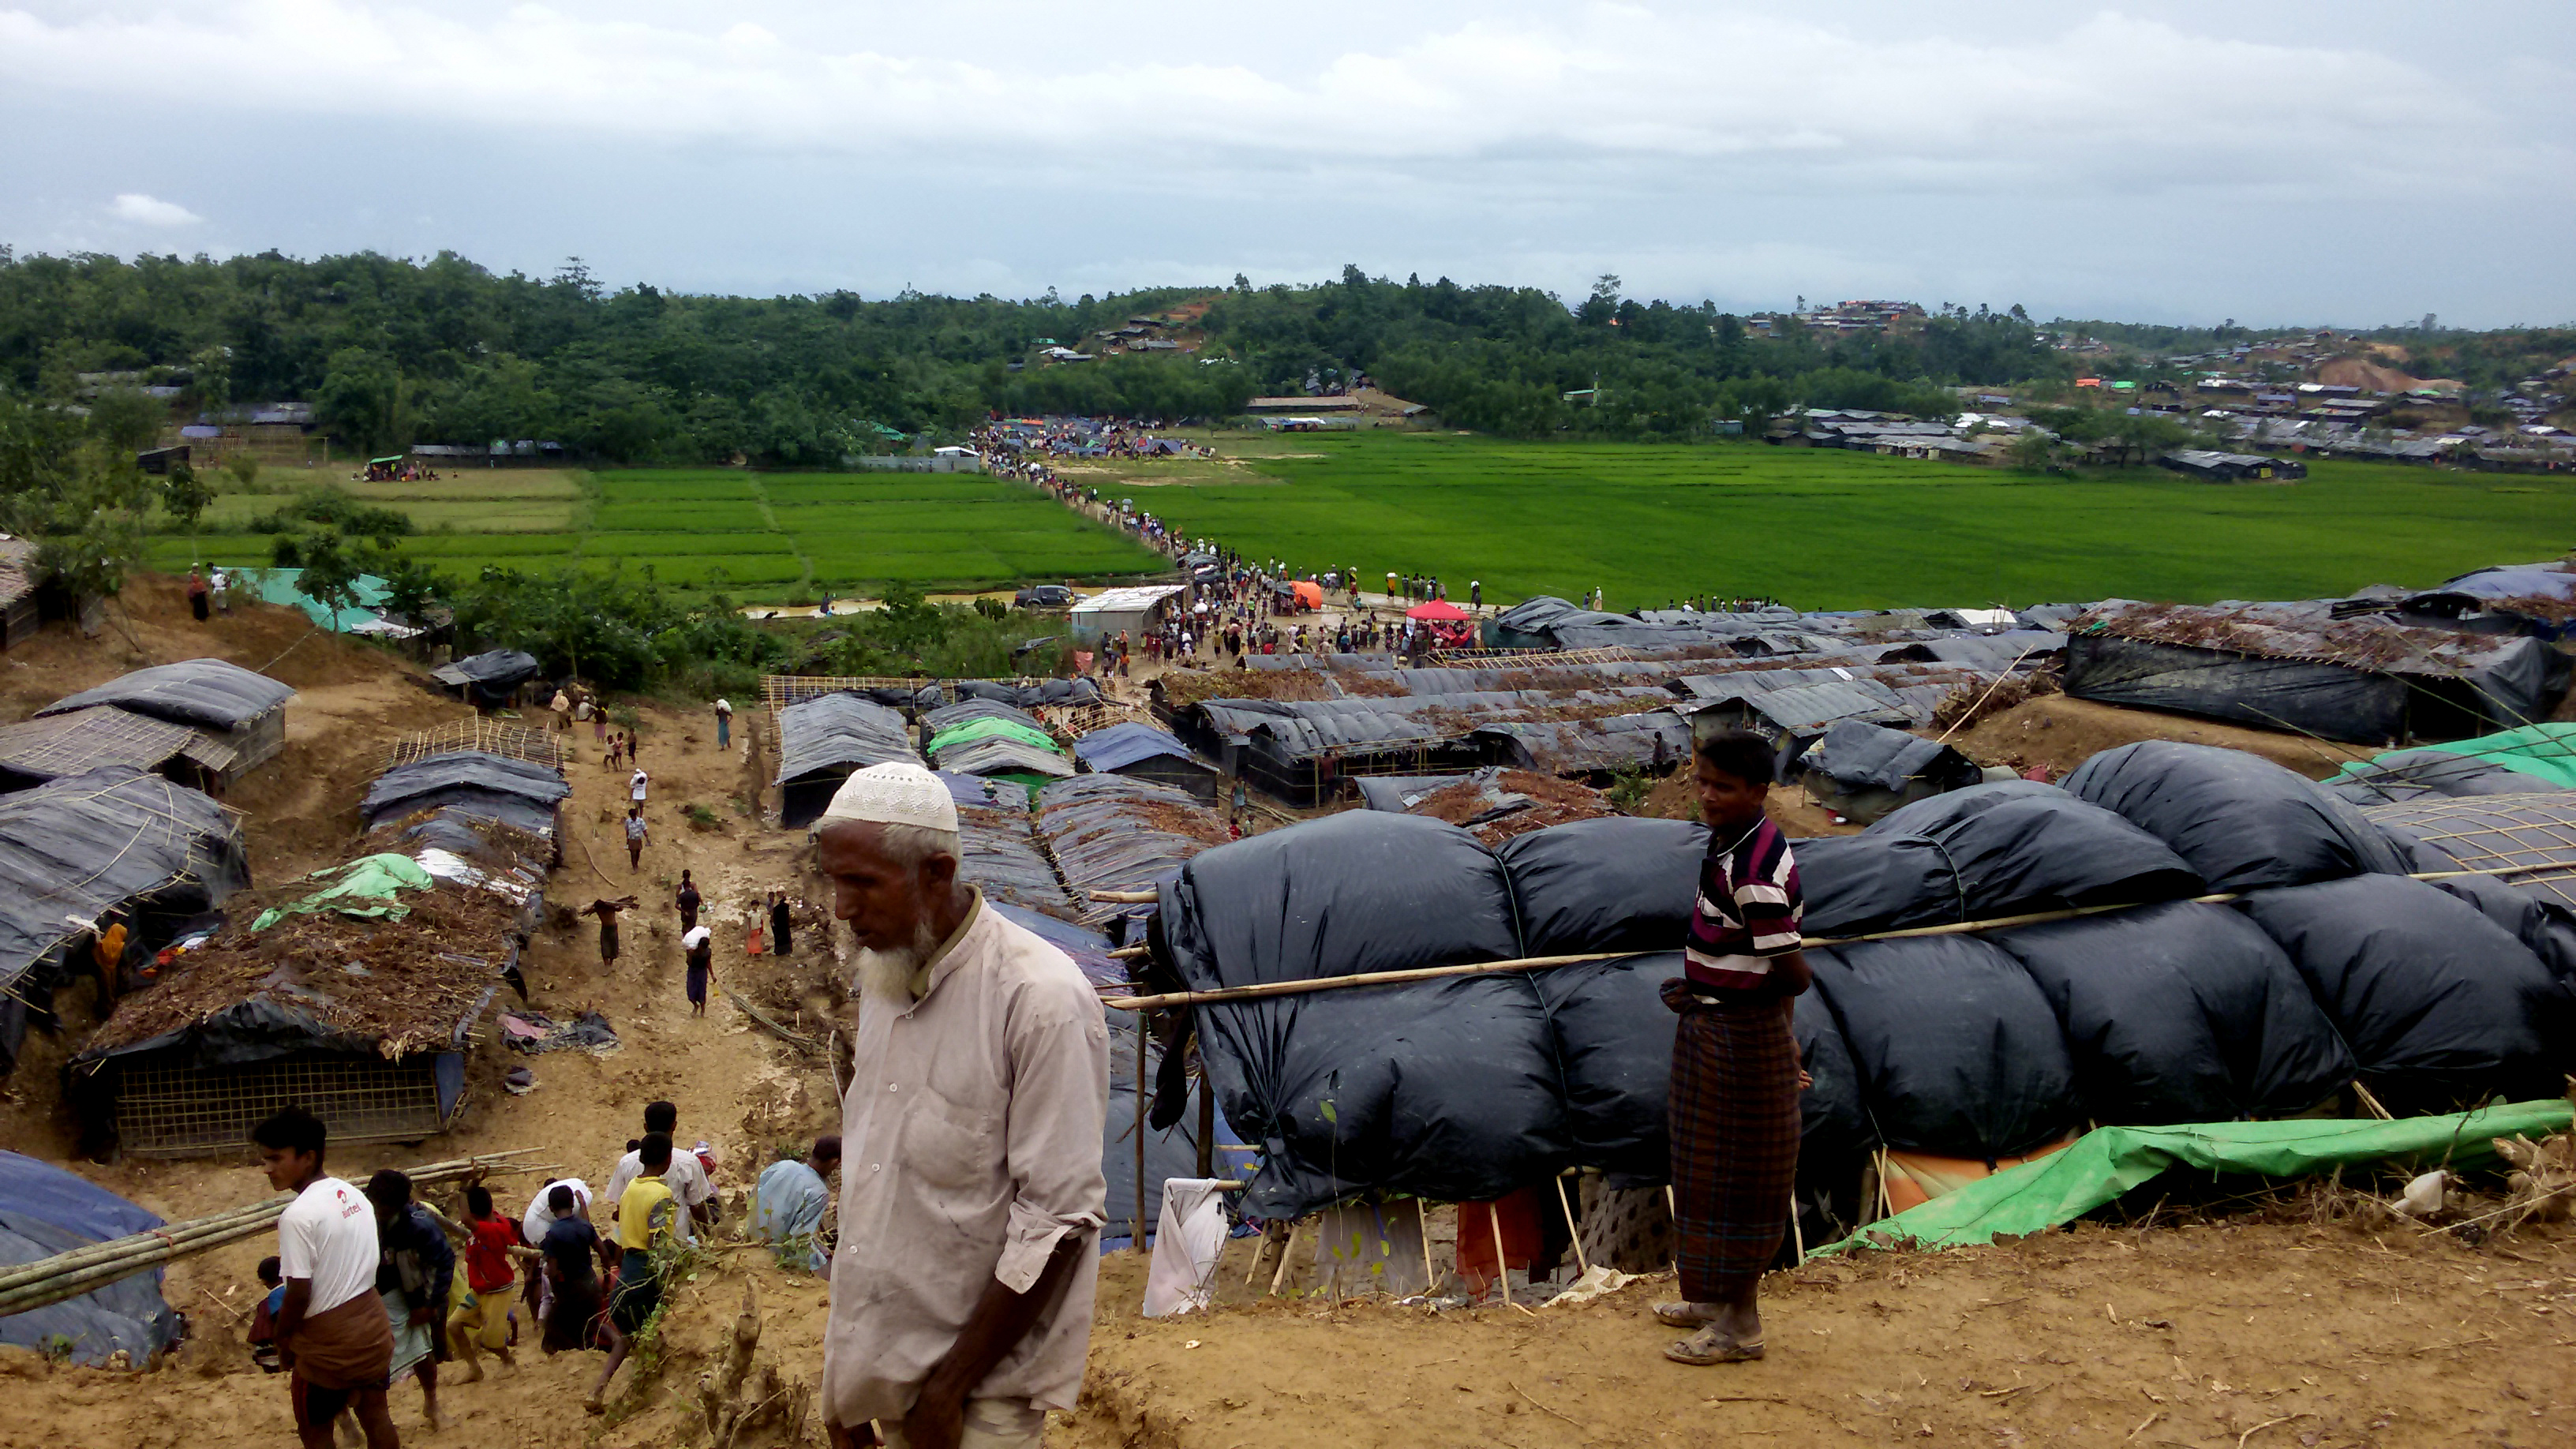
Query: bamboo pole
51	1280
1126	898
1502	1269
1422	1212
1265	989
1572	1231
1139	1226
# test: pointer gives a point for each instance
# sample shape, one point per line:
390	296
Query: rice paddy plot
1826	528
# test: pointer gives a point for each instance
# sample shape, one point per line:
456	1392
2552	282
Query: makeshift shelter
353	992
2538	599
2298	667
285	587
998	849
1111	833
2529	760
48	748
1141	752
998	747
436	797
236	708
1976	1047
491	678
1862	771
1135	610
44	1211
81	848
821	741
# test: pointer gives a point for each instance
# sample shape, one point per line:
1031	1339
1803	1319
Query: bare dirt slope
2059	733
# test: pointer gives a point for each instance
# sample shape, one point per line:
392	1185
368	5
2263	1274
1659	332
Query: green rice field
1646	523
1825	528
760	536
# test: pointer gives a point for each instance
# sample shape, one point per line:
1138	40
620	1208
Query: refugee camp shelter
52	746
1137	609
2296	666
489	679
1139	751
75	850
990	738
2215	467
236	708
44	1211
1864	771
822	740
354	992
442	794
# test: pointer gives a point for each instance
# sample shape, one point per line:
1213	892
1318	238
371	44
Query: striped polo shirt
1748	911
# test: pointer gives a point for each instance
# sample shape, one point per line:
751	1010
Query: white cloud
144	210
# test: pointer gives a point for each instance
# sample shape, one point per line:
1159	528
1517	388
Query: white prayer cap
897	792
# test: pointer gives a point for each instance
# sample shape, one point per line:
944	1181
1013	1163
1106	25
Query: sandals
1684	1314
1704	1348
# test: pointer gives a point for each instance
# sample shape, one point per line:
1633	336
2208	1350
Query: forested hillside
393	352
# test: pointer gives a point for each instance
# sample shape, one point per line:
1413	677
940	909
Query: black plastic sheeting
2182	1013
1613	884
492	676
1113	832
998	854
205	692
2441	1006
1956	1047
821	741
1858	753
2243	822
75	848
2417	774
539	785
2022	852
974	709
45	1210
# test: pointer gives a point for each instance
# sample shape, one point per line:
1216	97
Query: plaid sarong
1734	1121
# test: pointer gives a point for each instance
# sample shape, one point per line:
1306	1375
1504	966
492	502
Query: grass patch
1824	528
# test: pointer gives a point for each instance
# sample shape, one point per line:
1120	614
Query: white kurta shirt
970	1145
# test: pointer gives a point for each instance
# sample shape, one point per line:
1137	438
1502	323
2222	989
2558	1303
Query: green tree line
392	352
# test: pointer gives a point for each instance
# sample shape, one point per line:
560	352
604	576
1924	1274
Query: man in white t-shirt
686	1176
332	1332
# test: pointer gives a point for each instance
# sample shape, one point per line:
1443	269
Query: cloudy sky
2357	162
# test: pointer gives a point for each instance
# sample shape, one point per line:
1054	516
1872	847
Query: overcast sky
2352	163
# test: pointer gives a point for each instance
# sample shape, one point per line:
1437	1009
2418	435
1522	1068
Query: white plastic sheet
1187	1238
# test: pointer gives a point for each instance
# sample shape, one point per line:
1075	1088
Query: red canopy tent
1313	594
1438	611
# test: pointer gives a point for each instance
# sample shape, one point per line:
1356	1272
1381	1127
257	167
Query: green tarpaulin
2544	751
284	586
363	887
2109	1161
977	729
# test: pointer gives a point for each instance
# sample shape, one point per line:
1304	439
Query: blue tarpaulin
45	1210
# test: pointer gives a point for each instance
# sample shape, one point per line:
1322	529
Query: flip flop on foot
1708	1347
1684	1315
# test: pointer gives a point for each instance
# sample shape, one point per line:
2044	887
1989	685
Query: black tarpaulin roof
839	731
493	669
193	691
471	769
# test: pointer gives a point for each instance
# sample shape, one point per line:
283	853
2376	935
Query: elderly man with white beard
971	1190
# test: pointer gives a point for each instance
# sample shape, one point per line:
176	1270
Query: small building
50	747
232	705
489	680
1141	752
157	461
1137	609
2216	467
79	849
822	740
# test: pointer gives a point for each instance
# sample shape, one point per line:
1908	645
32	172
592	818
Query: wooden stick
2370	1103
1126	898
1258	1249
1571	1231
1287	1254
798	1040
1422	1211
1139	1229
1502	1270
1673	1215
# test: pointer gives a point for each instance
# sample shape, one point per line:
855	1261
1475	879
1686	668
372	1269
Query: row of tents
2328	974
